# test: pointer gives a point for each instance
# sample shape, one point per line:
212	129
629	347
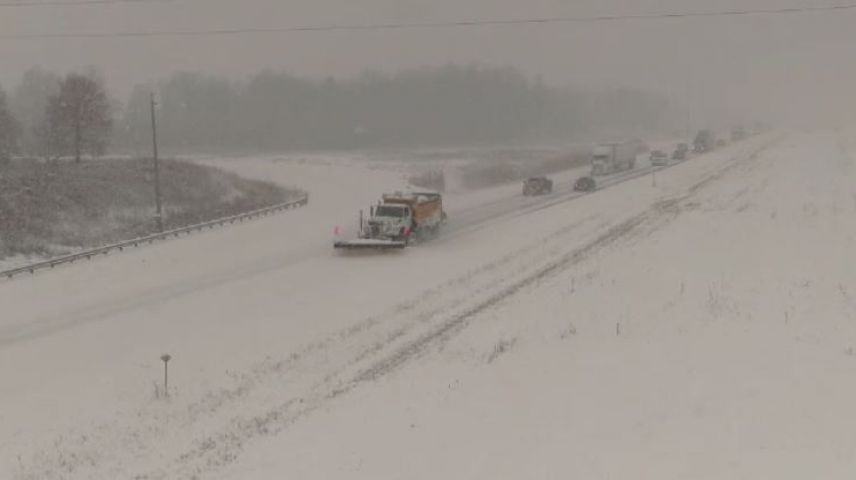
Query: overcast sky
729	63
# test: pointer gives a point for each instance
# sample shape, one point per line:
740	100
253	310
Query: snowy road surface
699	328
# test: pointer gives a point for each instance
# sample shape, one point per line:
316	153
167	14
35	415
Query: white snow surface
694	325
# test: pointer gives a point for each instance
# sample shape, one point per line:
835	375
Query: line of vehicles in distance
613	158
401	217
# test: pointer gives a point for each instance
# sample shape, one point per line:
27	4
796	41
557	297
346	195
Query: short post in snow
165	358
653	176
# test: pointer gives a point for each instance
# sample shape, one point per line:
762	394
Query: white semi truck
614	157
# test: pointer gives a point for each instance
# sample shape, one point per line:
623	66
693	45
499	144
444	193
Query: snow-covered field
696	327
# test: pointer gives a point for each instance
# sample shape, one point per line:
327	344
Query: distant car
659	158
721	143
585	184
681	152
537	186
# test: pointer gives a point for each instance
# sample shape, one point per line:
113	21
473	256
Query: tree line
50	116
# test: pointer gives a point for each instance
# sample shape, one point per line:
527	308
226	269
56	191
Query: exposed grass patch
500	349
53	208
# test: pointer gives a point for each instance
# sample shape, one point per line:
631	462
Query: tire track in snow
222	448
375	347
360	342
465	221
391	357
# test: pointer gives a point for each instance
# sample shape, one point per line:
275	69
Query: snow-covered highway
285	354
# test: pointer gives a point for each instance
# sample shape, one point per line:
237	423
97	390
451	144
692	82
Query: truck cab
704	141
611	158
390	221
601	162
681	152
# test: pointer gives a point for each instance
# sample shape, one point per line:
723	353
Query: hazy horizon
765	65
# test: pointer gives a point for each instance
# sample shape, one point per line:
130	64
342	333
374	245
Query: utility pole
158	211
689	109
77	136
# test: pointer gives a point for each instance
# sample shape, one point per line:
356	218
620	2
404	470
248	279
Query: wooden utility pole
158	211
77	136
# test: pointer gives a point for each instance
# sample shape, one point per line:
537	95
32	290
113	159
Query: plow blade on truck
369	244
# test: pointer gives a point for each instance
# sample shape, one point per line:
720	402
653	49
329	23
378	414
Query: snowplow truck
396	219
613	158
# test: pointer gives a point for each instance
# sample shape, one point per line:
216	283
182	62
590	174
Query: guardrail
136	242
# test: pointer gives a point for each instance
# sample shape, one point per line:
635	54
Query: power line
74	3
422	25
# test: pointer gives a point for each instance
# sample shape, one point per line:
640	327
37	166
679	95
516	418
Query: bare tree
28	103
10	131
78	119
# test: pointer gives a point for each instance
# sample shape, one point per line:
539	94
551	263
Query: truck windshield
390	211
